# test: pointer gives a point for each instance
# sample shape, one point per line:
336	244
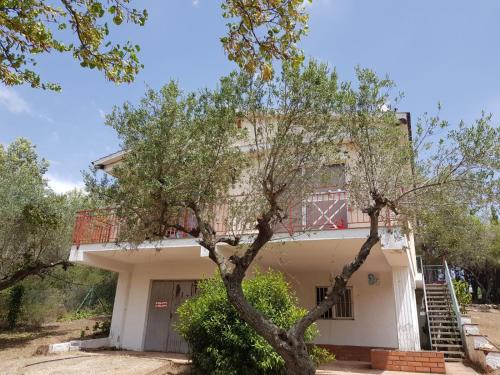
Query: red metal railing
322	210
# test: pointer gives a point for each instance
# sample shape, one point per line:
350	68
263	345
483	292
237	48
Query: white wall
374	321
120	308
406	309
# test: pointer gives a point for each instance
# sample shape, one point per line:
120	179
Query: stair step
448	345
440	309
453	353
437	296
451	359
446	322
451	339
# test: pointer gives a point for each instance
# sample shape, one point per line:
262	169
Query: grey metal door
159	316
182	290
165	298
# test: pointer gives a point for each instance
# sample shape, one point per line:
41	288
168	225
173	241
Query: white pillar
119	309
406	309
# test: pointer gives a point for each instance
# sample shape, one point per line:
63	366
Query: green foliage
102	328
170	138
466	239
35	223
15	301
32	27
222	343
262	30
59	294
462	293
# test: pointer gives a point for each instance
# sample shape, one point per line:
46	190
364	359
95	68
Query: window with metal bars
343	309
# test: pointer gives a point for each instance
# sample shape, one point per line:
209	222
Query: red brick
436	359
423	369
403	363
413	363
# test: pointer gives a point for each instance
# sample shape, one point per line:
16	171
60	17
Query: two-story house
379	309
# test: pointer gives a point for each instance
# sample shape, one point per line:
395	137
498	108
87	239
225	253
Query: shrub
222	343
15	301
464	297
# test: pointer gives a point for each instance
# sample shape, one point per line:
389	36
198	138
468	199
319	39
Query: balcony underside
317	251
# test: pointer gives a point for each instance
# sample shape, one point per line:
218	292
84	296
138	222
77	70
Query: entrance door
166	296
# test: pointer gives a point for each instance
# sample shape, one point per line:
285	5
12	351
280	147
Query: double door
165	297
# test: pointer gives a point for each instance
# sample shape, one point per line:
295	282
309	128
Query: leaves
26	31
261	31
35	223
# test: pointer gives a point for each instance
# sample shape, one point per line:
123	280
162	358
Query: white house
379	310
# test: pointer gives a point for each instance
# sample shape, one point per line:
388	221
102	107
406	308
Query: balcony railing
322	211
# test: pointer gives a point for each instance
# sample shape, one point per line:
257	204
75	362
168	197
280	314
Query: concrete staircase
443	324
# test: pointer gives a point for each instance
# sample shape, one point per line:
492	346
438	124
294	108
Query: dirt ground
21	352
489	323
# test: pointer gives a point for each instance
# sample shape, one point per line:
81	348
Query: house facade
378	310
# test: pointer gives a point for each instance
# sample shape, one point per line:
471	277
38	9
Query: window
342	309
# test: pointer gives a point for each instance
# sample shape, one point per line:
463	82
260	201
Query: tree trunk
299	362
490	284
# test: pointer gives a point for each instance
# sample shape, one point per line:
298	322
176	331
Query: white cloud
102	114
196	3
13	102
46	118
60	185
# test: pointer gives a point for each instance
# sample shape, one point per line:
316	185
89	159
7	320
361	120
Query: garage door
166	296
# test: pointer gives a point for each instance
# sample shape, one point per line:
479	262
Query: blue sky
444	51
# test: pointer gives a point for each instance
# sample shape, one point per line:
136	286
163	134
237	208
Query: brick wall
394	360
350	353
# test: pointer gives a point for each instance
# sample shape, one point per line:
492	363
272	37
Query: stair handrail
426	307
454	301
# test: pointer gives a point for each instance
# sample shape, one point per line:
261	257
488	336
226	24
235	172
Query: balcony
324	210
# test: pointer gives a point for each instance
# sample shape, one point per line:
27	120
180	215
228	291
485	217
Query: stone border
478	348
77	345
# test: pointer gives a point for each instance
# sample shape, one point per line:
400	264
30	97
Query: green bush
222	343
464	297
15	301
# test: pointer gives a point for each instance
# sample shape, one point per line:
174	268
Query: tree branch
37	268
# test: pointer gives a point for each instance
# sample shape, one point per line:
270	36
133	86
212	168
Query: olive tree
35	223
468	237
244	153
